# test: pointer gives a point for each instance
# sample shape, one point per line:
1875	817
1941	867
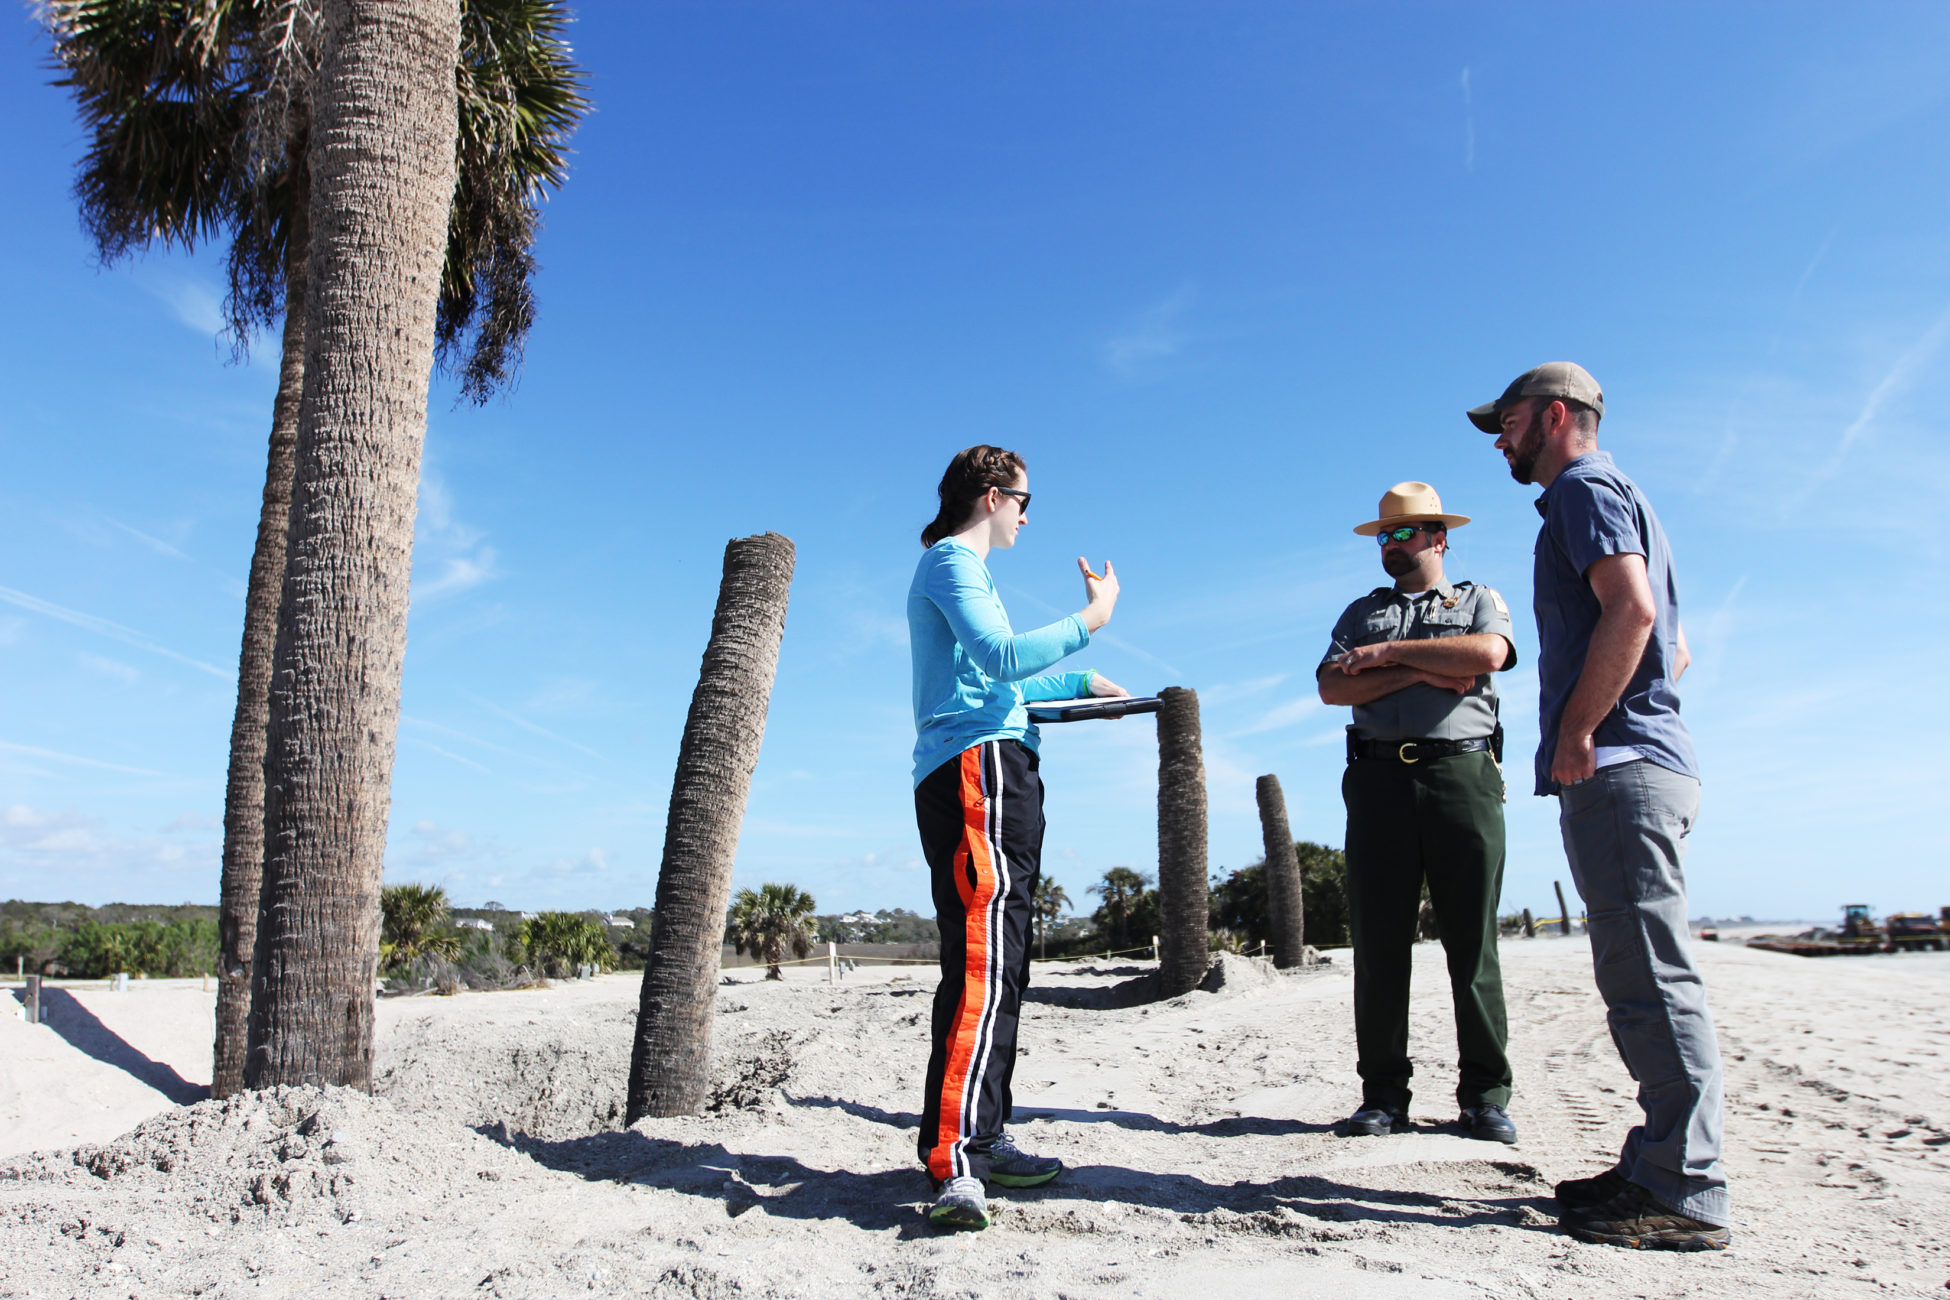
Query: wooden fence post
1563	912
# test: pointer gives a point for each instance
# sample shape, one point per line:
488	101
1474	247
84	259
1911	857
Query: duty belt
1410	751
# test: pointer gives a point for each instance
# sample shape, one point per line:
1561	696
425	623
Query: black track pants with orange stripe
981	820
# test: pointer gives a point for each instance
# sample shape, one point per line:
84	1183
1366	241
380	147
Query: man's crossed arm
1451	663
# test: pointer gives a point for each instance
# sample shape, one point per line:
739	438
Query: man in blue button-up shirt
1614	751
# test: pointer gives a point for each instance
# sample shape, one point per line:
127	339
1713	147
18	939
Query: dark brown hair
971	473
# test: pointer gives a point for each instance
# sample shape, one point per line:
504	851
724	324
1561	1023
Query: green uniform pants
1440	820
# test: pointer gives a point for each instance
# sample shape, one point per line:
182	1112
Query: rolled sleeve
1491	614
1590	521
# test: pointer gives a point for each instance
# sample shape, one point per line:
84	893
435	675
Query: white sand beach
1198	1135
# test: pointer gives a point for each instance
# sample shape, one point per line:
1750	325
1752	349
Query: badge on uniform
1449	602
1497	600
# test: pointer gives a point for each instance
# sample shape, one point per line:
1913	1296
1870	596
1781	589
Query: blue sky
1221	272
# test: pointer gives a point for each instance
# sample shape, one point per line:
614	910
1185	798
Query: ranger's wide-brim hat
1553	379
1409	503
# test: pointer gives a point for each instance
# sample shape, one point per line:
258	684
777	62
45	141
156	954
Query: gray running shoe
961	1206
1634	1218
1010	1167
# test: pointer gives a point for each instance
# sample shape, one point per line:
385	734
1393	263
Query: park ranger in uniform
1424	800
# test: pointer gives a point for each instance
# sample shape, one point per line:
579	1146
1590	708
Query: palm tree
411	917
1122	890
199	121
670	1064
557	944
1283	897
383	111
766	921
1184	898
1050	903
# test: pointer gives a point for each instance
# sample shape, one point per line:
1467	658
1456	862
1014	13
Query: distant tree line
71	939
423	946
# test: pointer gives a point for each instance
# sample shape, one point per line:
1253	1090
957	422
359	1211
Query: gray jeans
1625	835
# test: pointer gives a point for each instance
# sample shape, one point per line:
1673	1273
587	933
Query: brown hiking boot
1634	1218
1588	1193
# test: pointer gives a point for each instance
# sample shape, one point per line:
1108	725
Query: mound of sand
1197	1135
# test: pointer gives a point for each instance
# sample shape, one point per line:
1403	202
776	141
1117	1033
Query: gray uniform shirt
1422	711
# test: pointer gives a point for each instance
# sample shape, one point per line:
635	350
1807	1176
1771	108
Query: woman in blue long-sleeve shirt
978	799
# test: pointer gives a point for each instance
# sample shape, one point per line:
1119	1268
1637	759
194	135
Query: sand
1198	1135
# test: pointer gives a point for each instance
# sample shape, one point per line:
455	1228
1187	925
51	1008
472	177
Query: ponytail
970	474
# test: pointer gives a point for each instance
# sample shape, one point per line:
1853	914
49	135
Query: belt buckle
1401	753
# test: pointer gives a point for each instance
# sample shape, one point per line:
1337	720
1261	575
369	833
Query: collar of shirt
1444	589
1595	457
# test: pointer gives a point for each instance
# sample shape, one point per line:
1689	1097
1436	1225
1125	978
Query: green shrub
555	944
166	949
1323	894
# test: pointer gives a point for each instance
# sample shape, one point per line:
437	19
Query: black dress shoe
1375	1121
1487	1123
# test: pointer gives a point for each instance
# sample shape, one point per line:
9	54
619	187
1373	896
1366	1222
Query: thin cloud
448	754
1153	338
410	720
1284	715
1899	374
460	560
113	631
156	544
526	725
121	672
76	760
195	305
459	573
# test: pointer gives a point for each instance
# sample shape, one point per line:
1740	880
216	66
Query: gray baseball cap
1566	379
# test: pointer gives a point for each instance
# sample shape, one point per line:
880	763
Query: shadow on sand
61	1012
894	1199
1024	1113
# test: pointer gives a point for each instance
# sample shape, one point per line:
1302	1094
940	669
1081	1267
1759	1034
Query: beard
1523	456
1396	563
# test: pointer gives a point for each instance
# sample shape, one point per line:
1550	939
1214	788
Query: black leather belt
1411	751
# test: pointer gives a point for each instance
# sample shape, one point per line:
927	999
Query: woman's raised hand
1100	592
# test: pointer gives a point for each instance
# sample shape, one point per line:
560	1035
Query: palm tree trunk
382	176
670	1065
1282	876
1184	898
243	802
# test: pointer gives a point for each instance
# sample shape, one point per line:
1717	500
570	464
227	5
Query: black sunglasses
1021	496
1407	531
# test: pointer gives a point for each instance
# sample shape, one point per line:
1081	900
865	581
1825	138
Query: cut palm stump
1184	898
670	1065
1283	898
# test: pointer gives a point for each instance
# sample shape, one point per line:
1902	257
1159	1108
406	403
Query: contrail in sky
32	751
113	631
1898	375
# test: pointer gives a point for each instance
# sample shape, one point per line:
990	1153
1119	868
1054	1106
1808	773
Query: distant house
473	923
618	922
527	916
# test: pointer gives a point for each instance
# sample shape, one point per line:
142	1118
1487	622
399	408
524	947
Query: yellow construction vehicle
1918	932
